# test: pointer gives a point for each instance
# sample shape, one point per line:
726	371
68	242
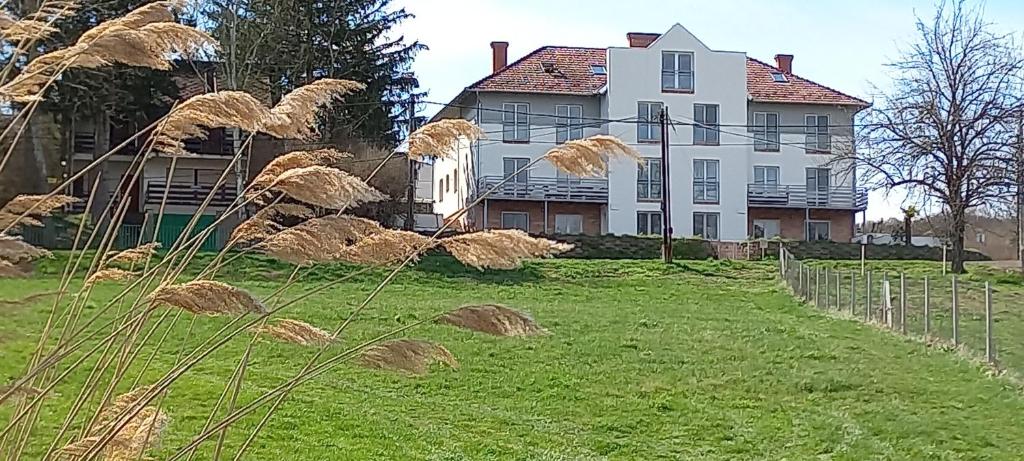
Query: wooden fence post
853	294
824	275
955	314
867	297
990	349
839	282
817	287
927	309
863	256
903	303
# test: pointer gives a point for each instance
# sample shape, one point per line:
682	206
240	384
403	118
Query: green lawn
701	360
1007	302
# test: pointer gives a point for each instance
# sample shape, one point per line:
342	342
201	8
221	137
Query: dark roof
573	75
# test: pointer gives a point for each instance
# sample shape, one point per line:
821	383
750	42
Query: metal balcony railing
189	194
541	188
782	196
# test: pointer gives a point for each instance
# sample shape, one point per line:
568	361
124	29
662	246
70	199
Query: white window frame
807	230
703	217
817	195
648	128
762	179
761	222
706	187
524	214
574	227
817	139
766	136
705	132
677	78
515	122
649	180
568	126
646	217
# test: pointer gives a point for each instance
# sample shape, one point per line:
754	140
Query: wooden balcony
546	189
781	196
189	194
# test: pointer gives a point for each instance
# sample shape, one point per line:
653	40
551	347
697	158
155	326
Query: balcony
189	194
780	196
551	189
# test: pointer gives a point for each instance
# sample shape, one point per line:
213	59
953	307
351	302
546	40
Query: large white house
751	145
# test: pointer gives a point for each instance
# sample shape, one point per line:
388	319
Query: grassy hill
700	360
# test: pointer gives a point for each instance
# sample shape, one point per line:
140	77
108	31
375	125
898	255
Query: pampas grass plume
294	117
326	187
387	247
500	249
588	157
291	160
110	274
15	250
207	297
318	240
411	356
493	319
296	332
441	138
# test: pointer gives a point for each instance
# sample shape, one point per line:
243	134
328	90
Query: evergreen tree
278	45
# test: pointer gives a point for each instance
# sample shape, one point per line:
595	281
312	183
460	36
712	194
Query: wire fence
967	315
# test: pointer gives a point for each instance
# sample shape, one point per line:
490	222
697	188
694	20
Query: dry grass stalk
292	160
297	332
501	249
208	297
146	14
192	118
493	319
387	247
40	205
135	255
14	250
412	356
110	274
441	138
37	25
326	187
11	271
588	157
20	392
319	240
294	117
140	434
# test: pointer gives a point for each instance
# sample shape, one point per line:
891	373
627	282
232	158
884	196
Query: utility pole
666	190
410	194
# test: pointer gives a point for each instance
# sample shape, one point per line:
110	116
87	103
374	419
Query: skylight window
598	69
779	77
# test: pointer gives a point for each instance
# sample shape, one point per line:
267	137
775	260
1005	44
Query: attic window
779	77
548	66
598	69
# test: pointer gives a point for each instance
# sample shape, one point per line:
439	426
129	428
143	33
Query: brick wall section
791	221
591	213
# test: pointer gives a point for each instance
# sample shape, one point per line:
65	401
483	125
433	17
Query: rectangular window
705	181
515	122
515	220
648	115
676	71
766	131
648	223
648	180
766	180
816	135
520	182
766	228
705	126
705	225
568	122
568	224
819	230
818	186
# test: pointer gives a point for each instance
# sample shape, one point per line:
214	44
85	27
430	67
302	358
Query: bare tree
945	131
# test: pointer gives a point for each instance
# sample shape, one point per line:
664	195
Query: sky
842	44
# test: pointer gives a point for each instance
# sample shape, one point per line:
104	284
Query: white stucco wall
456	172
719	78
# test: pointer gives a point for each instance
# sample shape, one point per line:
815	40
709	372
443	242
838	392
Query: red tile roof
572	75
763	88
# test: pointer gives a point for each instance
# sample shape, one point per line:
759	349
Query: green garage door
173	225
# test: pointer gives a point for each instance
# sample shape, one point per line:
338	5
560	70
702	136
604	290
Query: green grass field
700	360
1007	302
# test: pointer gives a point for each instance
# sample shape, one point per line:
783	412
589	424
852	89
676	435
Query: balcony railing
189	194
780	196
540	188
